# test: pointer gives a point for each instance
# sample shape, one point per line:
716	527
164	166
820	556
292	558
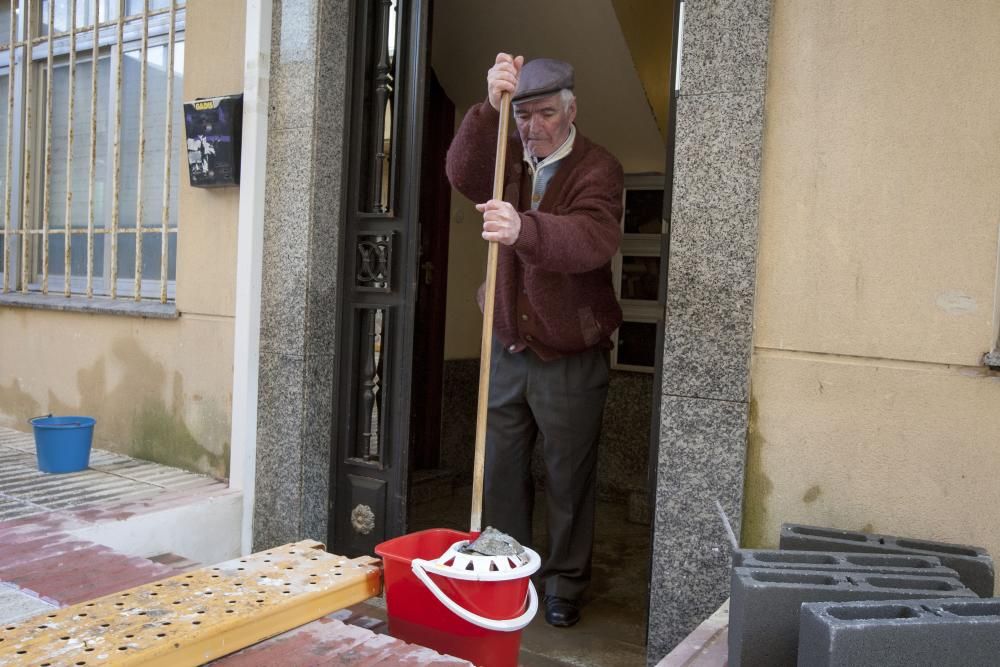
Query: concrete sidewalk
74	537
135	507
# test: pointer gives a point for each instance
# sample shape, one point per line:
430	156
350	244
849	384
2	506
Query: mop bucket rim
382	548
495	624
79	421
437	566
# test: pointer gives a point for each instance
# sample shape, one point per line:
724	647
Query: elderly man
558	228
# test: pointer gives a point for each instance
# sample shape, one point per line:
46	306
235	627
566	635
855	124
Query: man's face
544	124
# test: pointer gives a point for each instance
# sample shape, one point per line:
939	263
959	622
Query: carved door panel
379	274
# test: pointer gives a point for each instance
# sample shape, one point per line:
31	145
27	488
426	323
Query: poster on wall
213	128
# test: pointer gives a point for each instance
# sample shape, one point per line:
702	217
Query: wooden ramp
196	617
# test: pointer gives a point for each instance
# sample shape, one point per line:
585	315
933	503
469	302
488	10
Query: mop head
491	542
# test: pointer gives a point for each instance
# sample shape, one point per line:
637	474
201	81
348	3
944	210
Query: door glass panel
371	326
378	195
640	277
637	344
643	211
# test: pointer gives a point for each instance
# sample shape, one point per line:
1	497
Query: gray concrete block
764	605
973	564
915	633
870	563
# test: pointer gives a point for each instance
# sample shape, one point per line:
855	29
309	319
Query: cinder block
764	605
973	564
868	563
900	633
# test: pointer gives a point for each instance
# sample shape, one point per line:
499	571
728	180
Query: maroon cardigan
554	288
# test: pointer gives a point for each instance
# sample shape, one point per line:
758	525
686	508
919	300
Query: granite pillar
298	302
709	311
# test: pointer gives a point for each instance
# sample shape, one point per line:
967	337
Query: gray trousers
564	399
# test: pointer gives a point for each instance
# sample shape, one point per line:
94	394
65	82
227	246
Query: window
637	273
89	149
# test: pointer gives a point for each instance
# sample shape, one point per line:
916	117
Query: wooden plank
199	616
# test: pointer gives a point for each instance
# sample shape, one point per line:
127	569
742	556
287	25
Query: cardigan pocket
590	328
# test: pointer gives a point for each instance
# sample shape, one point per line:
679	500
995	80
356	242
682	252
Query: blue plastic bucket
62	444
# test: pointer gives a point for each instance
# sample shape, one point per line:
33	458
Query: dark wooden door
432	290
379	258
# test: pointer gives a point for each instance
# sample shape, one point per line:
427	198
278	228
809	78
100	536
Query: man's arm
471	157
586	235
472	153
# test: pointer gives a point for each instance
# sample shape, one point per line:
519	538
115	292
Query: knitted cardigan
554	288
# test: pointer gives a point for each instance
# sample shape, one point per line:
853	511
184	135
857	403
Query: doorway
620	109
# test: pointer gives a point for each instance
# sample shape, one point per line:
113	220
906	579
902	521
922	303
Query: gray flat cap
541	77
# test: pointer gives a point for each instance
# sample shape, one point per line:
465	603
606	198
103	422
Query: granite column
708	322
309	49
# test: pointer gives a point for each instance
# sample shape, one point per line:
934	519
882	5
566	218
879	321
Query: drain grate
198	616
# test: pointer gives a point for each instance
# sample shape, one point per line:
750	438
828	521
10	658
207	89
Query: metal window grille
89	184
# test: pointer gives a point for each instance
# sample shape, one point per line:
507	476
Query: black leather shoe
560	612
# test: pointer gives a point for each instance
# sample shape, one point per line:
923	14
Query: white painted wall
249	259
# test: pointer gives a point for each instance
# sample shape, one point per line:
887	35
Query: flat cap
541	77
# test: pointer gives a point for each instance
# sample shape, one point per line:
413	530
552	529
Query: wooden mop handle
476	522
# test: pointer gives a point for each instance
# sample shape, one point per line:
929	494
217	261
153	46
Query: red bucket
437	602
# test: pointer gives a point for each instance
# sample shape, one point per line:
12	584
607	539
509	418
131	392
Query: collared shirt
543	170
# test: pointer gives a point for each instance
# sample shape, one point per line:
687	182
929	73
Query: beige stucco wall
877	272
466	271
160	390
